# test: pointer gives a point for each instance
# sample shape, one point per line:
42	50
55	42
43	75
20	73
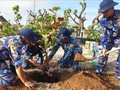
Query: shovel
96	59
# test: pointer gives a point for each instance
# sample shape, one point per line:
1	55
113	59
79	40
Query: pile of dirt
84	80
89	81
66	80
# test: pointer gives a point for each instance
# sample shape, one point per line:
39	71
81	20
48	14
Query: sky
91	9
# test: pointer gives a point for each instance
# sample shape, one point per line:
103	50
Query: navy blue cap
29	34
37	37
64	32
105	5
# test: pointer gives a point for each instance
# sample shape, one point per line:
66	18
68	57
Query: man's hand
29	84
38	66
21	74
43	67
103	52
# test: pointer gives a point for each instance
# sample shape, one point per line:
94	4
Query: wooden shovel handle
112	50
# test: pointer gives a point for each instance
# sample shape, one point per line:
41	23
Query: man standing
110	33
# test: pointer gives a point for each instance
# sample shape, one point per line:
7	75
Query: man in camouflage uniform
34	49
110	33
70	47
13	48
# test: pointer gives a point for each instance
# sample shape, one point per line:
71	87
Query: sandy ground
65	80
